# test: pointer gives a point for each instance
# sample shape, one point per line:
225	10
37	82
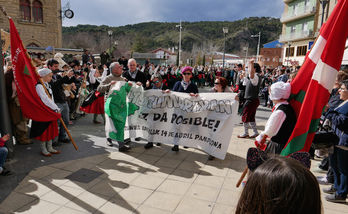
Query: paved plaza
99	179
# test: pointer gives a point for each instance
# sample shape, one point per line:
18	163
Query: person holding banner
105	86
157	84
282	121
45	132
185	86
220	86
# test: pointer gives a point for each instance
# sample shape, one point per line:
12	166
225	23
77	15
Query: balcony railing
144	55
296	36
299	13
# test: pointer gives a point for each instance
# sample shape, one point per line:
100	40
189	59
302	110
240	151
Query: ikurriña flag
26	78
311	88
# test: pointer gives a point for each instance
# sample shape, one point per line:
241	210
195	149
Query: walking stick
246	168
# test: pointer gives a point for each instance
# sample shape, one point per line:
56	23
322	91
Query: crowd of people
76	88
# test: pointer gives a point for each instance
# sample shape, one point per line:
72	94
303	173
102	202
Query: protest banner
205	122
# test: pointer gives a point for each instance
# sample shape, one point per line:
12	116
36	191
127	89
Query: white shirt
92	78
274	122
44	97
254	81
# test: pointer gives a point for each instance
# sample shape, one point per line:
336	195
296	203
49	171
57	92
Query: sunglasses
216	83
156	81
186	73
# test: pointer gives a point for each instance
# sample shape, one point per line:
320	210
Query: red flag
26	79
312	86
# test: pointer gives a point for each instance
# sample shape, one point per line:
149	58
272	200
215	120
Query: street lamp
289	43
179	40
110	34
225	30
246	54
258	45
323	5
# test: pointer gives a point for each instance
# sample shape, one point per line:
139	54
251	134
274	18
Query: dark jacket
192	88
140	77
57	88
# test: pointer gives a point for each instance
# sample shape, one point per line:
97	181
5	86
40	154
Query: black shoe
124	149
109	142
185	147
5	172
211	157
127	141
329	190
137	139
335	198
66	140
158	144
175	148
56	143
148	145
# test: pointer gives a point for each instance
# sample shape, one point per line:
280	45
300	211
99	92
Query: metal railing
296	35
301	11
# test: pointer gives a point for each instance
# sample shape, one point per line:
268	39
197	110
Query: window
291	51
301	50
24	8
37	12
32	45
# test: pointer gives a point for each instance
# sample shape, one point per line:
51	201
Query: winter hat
280	90
44	72
187	68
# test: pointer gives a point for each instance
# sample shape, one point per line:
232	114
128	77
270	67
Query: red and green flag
311	88
26	78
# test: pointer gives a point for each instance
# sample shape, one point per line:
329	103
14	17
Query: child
282	121
45	132
83	92
280	185
3	155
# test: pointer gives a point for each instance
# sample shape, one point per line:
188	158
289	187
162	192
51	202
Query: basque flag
26	78
311	88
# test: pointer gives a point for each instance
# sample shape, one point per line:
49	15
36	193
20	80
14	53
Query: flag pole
61	120
31	62
246	168
5	122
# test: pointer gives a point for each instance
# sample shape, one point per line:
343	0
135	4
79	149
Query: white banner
205	122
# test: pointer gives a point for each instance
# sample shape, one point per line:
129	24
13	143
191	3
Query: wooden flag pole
61	119
31	62
246	168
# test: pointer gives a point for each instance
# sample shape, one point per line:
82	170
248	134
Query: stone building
37	21
39	25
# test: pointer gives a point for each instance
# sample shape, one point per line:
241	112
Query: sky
123	12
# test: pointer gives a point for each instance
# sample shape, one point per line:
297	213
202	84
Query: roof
274	44
161	49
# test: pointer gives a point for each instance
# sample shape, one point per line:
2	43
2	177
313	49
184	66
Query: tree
199	59
139	45
177	59
203	59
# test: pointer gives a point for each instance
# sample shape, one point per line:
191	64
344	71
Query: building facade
300	27
38	22
270	57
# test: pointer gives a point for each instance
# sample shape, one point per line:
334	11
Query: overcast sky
122	12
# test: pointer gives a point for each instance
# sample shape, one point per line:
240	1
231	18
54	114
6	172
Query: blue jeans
64	110
339	164
3	155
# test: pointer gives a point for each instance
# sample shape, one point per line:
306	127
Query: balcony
296	36
301	12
